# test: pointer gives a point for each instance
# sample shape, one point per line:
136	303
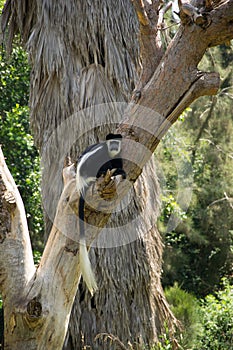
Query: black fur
94	162
99	163
113	163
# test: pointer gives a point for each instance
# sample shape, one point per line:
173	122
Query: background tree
199	251
16	140
48	74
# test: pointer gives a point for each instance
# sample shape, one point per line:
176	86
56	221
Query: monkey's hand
119	172
106	185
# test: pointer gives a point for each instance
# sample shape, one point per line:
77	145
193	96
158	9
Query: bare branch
205	124
15	243
225	198
150	41
149	127
150	123
189	13
68	173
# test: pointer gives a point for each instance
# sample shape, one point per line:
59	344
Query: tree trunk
106	72
85	60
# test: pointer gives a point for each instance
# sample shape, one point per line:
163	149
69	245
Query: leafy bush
14	79
36	257
208	323
21	156
198	252
166	343
23	161
186	309
217	320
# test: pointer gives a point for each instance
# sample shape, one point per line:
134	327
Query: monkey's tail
85	264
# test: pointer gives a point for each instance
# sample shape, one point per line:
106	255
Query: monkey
94	162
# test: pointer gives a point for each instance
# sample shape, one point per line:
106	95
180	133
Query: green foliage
186	309
24	164
36	256
14	80
165	343
21	156
217	320
207	324
172	207
198	252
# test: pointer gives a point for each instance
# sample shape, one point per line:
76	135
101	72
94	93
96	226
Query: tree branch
151	50
178	79
15	246
40	299
175	84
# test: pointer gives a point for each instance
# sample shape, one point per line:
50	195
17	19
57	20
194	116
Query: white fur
81	183
85	264
85	267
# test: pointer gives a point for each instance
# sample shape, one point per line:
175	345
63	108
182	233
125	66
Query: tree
16	140
198	252
84	55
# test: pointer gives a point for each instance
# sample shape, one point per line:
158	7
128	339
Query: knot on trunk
33	315
34	308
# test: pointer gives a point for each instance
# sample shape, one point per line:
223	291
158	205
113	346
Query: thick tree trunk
106	72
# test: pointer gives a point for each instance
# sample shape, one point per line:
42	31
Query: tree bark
82	56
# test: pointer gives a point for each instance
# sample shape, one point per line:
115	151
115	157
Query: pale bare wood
36	300
40	300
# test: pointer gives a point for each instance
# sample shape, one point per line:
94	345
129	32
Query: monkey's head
114	144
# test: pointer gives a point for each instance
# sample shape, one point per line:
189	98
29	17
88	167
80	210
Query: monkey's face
114	147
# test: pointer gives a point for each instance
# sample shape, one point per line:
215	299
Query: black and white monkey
94	162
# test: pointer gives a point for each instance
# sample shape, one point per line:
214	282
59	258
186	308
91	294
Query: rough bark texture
83	54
